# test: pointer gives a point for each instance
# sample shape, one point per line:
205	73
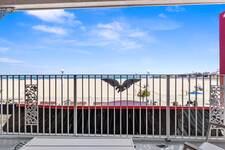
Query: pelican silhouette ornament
121	87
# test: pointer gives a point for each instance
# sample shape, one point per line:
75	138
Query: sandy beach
95	91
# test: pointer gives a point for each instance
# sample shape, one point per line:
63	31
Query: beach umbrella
195	93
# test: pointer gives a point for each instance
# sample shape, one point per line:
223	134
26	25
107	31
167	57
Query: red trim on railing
121	107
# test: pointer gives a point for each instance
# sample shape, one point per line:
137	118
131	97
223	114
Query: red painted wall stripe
121	107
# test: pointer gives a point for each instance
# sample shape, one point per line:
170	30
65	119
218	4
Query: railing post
168	106
75	103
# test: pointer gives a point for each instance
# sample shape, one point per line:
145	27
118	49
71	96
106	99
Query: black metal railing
132	105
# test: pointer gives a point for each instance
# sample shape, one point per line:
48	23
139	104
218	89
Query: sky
156	39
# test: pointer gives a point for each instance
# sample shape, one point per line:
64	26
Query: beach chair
206	145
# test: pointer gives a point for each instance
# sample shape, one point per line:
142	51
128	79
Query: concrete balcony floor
9	143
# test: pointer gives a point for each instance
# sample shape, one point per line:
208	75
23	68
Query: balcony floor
9	142
173	145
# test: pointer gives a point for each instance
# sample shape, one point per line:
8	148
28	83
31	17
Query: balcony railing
128	105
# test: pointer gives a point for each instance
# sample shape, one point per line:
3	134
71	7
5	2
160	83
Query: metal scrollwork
31	104
216	105
4	11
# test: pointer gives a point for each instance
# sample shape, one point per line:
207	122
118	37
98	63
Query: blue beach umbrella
195	93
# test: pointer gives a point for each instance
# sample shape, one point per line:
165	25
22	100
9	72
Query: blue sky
176	39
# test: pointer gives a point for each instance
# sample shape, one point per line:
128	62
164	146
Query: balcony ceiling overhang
55	4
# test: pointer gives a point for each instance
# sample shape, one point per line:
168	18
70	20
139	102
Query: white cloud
109	34
129	44
118	35
162	15
115	25
9	60
4	41
49	29
121	35
110	31
136	34
175	9
54	16
4	49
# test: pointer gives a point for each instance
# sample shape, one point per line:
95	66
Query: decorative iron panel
216	105
31	104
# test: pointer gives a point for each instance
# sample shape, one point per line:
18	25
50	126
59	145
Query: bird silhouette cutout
121	87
